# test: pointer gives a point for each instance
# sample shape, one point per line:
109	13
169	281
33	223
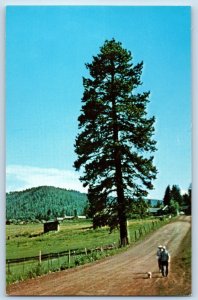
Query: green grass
28	240
185	254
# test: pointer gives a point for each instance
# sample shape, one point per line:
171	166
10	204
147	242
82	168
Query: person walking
159	257
165	260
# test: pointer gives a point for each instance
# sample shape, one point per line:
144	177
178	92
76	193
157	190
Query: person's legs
163	267
166	268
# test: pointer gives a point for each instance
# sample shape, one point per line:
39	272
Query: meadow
27	240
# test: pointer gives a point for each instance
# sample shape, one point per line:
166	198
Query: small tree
174	207
115	142
49	214
141	208
75	213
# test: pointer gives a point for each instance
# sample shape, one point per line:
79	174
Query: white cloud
23	177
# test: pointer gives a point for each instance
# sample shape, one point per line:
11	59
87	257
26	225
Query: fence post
40	257
128	233
48	262
74	256
69	258
58	261
23	266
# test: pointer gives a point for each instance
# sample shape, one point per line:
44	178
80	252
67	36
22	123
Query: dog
149	274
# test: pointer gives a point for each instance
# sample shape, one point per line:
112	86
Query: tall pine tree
115	142
176	194
167	196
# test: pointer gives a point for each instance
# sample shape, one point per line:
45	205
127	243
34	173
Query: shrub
36	271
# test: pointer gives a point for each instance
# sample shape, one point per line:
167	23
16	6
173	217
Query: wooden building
51	226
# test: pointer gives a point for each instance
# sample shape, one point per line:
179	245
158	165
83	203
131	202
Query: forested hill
44	203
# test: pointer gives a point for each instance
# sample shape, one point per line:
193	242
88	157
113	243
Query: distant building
60	219
68	217
51	226
156	211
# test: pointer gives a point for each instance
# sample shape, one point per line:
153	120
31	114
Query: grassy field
28	240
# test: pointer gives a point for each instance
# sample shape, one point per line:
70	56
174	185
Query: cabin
51	226
156	211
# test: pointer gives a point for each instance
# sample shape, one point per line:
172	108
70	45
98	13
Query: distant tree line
44	203
177	201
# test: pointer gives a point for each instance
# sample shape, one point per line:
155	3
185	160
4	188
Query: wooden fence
18	268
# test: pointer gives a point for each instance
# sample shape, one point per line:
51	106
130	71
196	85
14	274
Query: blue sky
46	51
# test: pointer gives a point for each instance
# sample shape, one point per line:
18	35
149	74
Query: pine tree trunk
123	232
121	205
118	177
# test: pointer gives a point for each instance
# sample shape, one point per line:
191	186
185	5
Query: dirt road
122	274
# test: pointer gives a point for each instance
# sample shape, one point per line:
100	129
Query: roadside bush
36	271
64	266
80	260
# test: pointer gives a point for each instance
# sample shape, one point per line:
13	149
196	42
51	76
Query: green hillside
44	203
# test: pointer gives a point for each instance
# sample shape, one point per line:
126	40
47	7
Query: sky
46	51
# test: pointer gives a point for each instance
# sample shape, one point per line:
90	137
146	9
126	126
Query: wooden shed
51	226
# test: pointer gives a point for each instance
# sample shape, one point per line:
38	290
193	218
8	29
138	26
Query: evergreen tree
44	203
149	203
190	199
187	199
167	196
141	208
115	143
174	207
176	194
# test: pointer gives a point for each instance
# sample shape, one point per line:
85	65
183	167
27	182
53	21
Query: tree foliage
44	203
175	200
173	207
187	199
167	196
176	194
115	142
